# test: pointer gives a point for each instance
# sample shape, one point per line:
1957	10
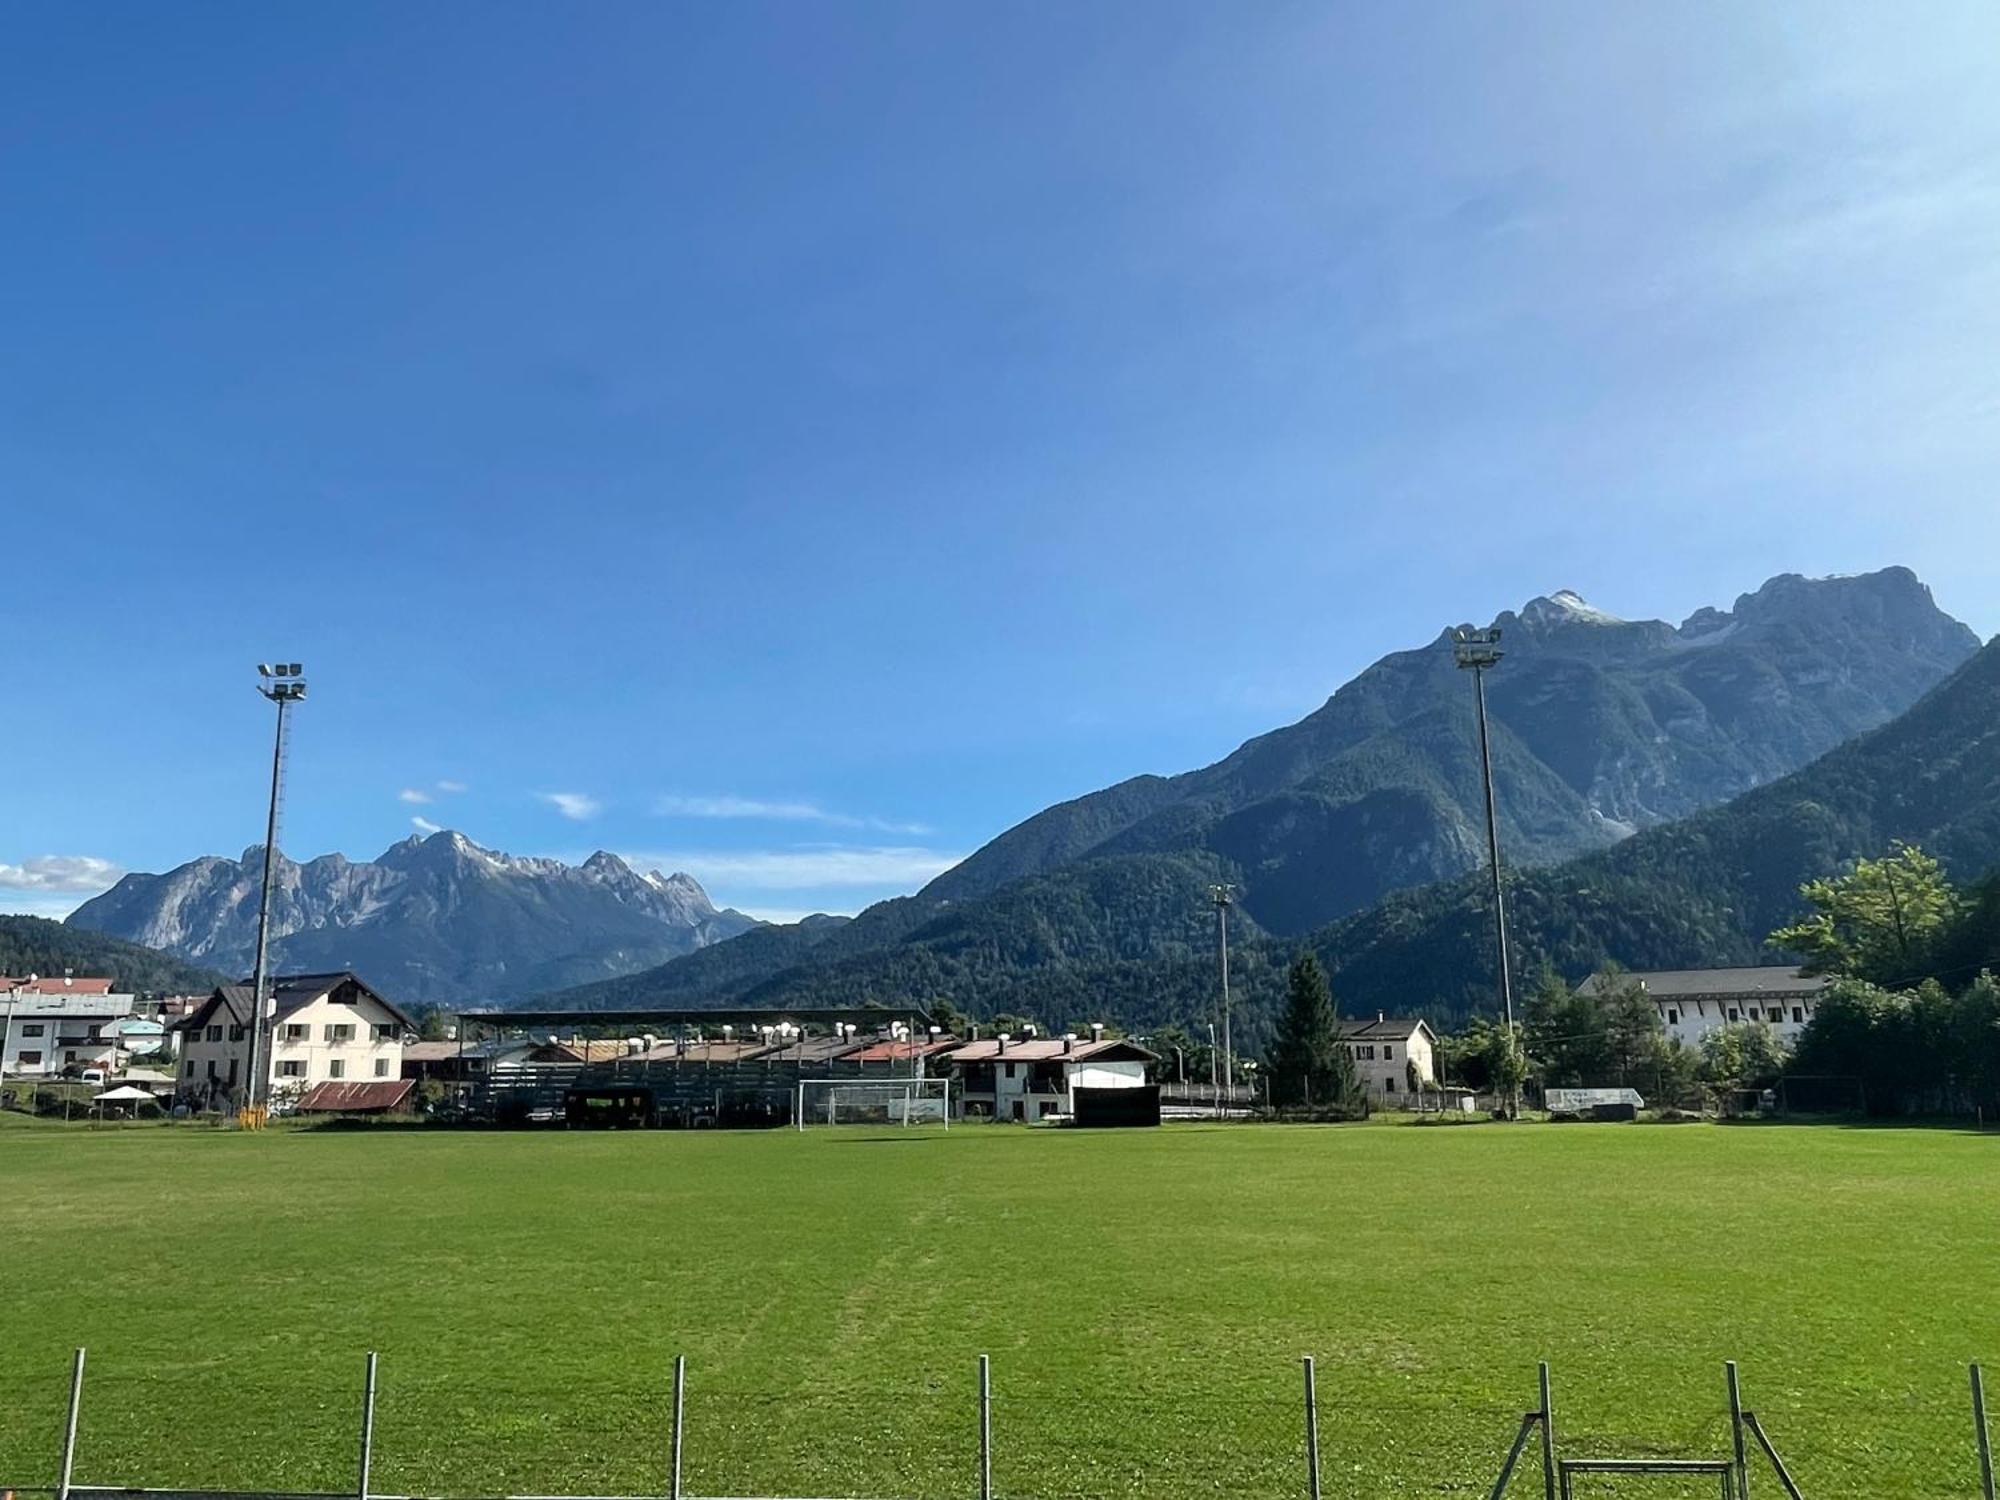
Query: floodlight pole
1222	895
1475	651
283	688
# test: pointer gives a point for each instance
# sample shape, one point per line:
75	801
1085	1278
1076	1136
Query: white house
1008	1078
1386	1050
322	1028
1694	1002
54	1026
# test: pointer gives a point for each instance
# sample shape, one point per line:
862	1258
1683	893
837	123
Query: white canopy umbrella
125	1094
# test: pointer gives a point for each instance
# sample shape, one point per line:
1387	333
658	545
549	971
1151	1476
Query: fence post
367	1425
680	1418
1985	1437
69	1427
1736	1430
1312	1432
1548	1415
985	1428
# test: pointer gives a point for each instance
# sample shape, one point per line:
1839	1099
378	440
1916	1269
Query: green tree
1566	1033
1309	1064
1878	922
1745	1055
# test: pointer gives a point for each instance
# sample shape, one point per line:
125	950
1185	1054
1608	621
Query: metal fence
975	1445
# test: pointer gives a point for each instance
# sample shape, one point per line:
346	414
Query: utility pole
1222	895
1474	651
284	686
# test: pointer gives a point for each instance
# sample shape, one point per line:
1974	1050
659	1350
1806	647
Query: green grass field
1144	1296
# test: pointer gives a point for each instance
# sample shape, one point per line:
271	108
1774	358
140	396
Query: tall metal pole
1228	1051
258	976
1548	1433
1741	1456
1493	862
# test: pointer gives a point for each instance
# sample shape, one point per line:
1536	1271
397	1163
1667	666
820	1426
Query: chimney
1003	1039
1380	1018
1097	1031
1069	1042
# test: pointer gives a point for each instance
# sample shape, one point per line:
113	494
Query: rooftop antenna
284	684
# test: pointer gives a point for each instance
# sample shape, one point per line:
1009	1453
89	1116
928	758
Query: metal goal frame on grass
872	1101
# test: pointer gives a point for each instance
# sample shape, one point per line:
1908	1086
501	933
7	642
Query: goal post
873	1101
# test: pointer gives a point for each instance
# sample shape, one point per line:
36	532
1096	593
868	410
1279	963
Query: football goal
875	1101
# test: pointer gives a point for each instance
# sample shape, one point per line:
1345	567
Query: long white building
1694	1002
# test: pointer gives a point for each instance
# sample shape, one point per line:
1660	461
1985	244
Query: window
341	1031
28	1059
1010	1070
35	1030
381	1067
96	1033
188	1072
211	1070
296	1033
1388	1054
1673	1016
1798	1015
387	1033
215	1033
336	1069
1388	1085
236	1033
293	1069
1732	1013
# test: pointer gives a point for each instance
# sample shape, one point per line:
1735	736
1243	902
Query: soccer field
1144	1296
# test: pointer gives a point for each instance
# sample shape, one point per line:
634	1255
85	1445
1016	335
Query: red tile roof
45	985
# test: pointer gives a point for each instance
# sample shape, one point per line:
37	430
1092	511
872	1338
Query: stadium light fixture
1476	651
284	685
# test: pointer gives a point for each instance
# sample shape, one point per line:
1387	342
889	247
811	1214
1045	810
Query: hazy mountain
35	945
1601	726
435	920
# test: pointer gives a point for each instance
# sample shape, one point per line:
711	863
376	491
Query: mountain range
432	921
1601	727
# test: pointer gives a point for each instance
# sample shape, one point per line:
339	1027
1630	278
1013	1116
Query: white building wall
1688	1021
307	1048
45	1036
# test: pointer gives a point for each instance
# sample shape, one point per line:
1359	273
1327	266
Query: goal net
881	1101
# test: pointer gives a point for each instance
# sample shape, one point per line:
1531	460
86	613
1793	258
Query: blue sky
792	443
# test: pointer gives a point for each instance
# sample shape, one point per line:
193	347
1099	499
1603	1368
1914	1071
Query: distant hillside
1132	940
1600	726
434	921
34	945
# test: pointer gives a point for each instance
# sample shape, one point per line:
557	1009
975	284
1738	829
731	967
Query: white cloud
578	807
60	873
425	825
808	867
412	795
451	786
727	806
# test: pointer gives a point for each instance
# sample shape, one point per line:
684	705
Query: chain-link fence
1265	1431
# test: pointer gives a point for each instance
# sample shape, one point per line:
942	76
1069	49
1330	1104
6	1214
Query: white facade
1694	1002
45	1035
1035	1079
1384	1050
338	1031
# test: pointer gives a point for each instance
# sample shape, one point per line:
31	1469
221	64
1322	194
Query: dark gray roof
1379	1028
1718	984
289	992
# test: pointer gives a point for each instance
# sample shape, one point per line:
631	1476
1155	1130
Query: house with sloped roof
319	1029
1393	1057
1032	1078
